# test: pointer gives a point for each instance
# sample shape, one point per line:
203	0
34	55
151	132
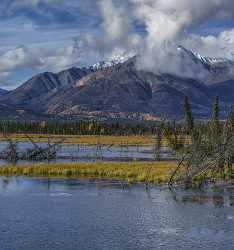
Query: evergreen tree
189	123
214	130
215	123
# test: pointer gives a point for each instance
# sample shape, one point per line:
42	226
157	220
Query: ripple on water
63	215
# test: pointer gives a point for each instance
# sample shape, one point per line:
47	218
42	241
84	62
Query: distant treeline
175	132
76	128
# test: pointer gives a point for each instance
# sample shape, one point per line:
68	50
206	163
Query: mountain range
120	90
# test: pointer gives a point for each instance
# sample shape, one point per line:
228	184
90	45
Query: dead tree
43	153
158	142
11	154
211	155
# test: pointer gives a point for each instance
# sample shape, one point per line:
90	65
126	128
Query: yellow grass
87	139
154	172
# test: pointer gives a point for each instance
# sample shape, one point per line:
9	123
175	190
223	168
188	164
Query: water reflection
5	183
84	214
74	152
218	201
231	200
218	196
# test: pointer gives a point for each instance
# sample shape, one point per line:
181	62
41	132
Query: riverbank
154	172
87	139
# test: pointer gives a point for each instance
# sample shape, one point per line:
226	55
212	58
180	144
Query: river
85	153
75	214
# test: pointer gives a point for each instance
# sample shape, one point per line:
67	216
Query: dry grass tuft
154	172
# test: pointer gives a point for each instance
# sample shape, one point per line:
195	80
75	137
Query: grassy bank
154	172
86	139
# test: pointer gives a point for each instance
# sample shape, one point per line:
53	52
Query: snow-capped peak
210	60
202	59
114	60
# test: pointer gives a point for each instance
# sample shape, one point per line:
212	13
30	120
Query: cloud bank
55	34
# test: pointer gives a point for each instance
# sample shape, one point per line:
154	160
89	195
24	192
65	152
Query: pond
85	153
75	214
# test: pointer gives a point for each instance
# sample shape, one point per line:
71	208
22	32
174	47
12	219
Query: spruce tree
189	123
215	118
213	133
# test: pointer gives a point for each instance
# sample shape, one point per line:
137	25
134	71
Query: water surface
73	214
85	153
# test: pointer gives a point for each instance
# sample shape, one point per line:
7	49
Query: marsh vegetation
204	149
209	155
157	172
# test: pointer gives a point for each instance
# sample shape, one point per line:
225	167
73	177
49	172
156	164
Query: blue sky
51	35
42	24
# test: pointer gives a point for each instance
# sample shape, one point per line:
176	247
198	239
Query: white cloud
221	46
117	28
116	23
167	23
20	57
38	58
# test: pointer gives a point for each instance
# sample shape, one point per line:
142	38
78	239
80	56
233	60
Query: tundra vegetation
127	171
209	154
128	140
204	149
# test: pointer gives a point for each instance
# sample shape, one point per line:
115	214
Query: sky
52	35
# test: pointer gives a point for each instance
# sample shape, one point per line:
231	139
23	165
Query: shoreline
87	139
132	172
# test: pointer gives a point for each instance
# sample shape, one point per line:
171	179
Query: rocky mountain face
3	92
43	84
214	70
118	89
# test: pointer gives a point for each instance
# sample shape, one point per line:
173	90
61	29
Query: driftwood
37	153
207	156
43	153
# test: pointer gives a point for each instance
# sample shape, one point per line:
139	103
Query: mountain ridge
120	89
